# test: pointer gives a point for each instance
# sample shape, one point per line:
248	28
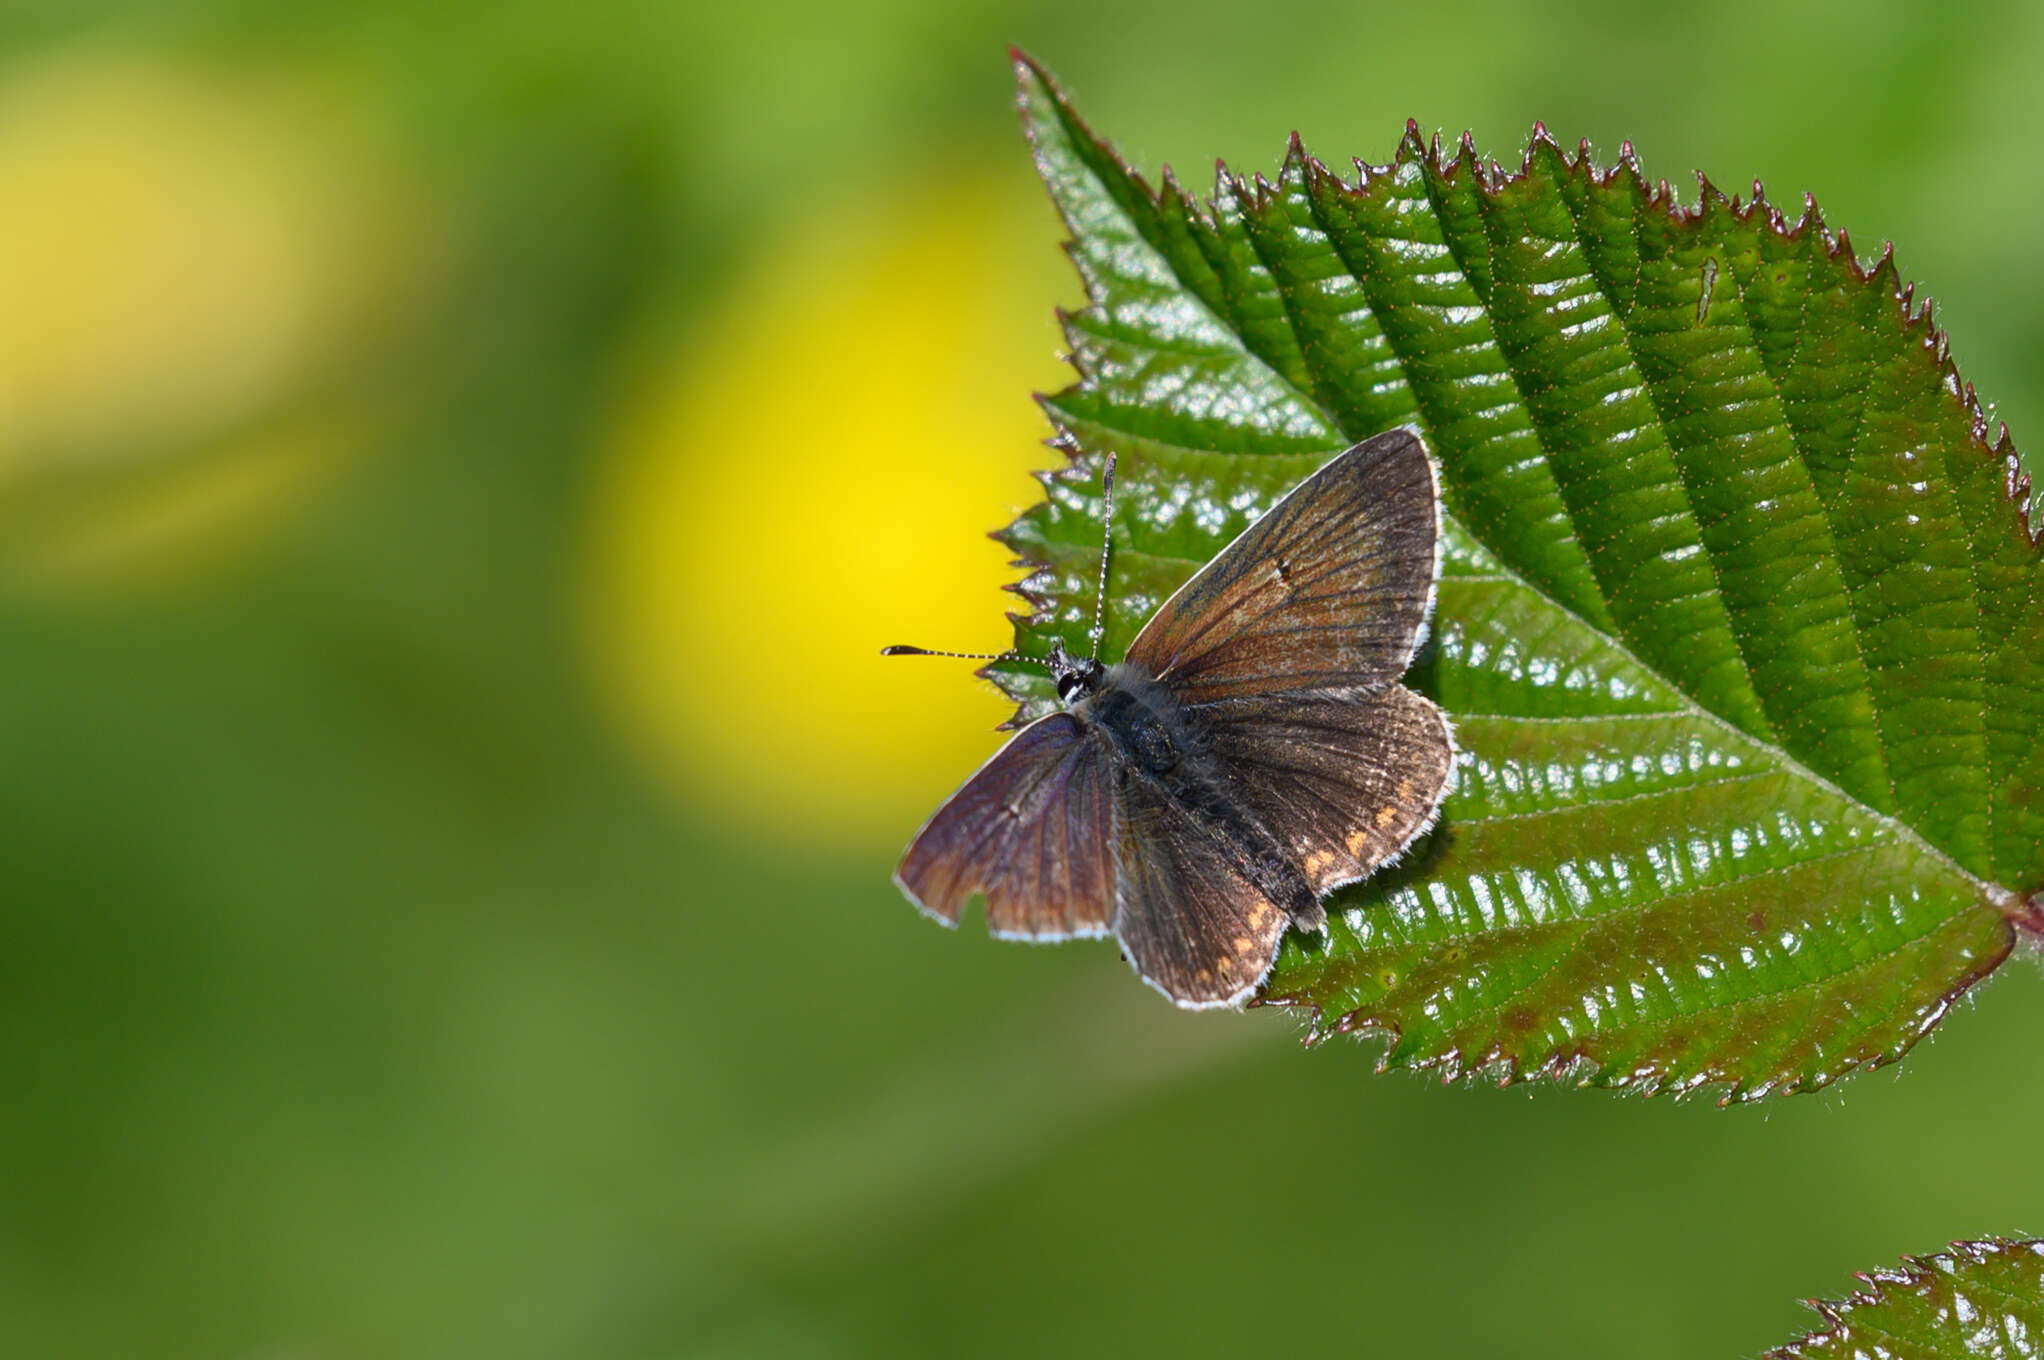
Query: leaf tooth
1862	273
1321	178
1543	149
1626	174
1168	186
1540	143
1812	218
1174	194
1412	145
1061	437
1778	223
1294	165
2018	487
1465	156
1710	200
1066	319
1006	537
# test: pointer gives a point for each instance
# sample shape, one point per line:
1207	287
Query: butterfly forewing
1344	782
1328	590
1033	832
1191	924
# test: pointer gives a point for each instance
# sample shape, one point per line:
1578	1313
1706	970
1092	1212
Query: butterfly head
1076	676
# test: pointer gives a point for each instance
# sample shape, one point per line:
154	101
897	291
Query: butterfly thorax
1151	730
1159	739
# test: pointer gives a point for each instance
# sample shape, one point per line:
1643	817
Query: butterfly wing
1189	922
1328	590
1345	782
1033	832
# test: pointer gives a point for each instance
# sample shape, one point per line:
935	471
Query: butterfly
1253	751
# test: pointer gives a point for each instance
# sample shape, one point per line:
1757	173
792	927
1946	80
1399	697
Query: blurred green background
457	464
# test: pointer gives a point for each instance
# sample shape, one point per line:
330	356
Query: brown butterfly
1252	752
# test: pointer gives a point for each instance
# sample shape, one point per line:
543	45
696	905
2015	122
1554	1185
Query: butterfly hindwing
1190	923
1344	782
1328	590
1033	832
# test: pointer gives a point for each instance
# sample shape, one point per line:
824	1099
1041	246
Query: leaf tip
1030	77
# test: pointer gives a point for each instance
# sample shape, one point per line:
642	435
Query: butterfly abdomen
1159	741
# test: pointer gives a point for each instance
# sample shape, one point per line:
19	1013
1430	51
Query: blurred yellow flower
187	258
813	476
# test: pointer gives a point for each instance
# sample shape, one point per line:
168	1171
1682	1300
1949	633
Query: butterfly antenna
1099	630
902	649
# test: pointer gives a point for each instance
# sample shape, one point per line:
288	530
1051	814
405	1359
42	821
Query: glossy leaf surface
1740	623
1980	1299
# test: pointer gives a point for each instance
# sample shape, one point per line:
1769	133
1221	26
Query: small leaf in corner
1978	1301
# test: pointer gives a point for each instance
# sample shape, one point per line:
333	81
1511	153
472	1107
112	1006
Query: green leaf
1983	1299
1741	622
